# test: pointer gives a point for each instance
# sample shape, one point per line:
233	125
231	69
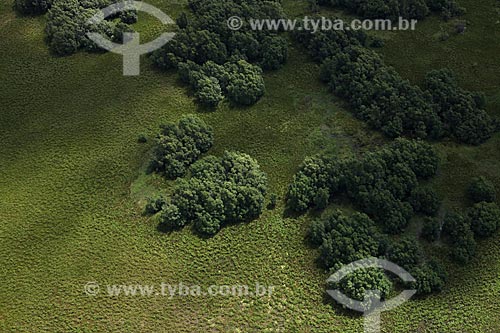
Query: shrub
154	205
430	278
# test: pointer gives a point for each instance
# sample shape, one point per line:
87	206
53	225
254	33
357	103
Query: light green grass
71	184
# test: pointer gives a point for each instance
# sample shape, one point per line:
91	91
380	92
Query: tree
357	285
461	236
406	253
180	145
274	52
209	92
484	218
430	278
246	85
348	239
425	200
482	189
32	7
219	191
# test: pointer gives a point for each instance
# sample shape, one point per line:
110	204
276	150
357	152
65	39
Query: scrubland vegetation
76	181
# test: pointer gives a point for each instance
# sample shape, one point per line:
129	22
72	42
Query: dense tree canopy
378	95
32	7
219	191
234	58
392	9
343	239
67	25
380	183
180	145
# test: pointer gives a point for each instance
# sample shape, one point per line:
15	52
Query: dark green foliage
67	26
154	205
142	138
206	38
170	217
378	95
380	183
431	229
274	52
240	81
180	145
246	85
392	9
430	278
357	285
226	190
482	189
425	200
344	239
405	253
32	7
460	110
461	237
484	218
208	91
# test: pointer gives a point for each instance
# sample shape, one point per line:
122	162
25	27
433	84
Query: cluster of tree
378	95
344	239
32	7
205	37
482	220
461	112
240	81
392	9
223	190
180	145
68	25
383	184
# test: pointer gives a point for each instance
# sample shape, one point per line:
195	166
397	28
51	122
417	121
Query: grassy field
72	180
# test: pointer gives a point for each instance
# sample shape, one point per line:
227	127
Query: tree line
378	95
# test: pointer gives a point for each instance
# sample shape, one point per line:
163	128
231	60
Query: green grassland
72	183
